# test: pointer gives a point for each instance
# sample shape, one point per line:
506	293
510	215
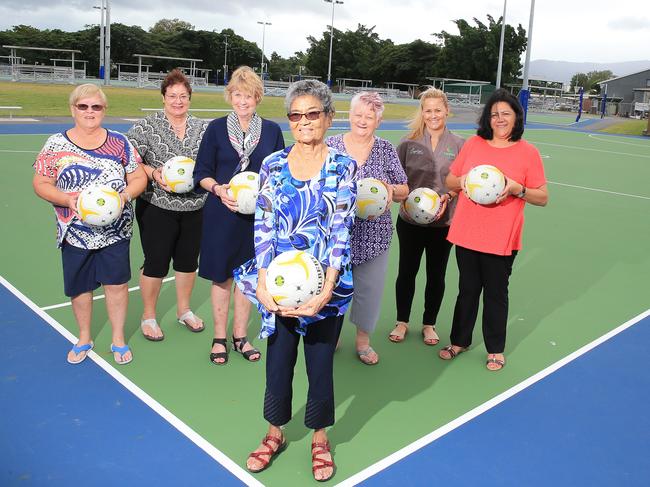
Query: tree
590	80
170	25
474	52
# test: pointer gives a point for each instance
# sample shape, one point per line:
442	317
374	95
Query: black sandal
219	355
238	346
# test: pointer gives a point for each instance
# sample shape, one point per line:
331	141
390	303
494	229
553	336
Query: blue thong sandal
81	349
121	351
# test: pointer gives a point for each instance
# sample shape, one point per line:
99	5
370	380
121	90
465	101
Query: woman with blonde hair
235	143
426	155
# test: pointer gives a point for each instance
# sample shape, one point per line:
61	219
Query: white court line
644	156
20	151
606	138
600	190
192	435
95	298
443	430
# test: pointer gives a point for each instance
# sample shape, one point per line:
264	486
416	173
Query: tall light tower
107	45
102	49
329	64
225	61
503	31
525	91
263	24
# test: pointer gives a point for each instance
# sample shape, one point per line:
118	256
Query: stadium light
101	39
524	94
329	64
263	24
225	61
503	31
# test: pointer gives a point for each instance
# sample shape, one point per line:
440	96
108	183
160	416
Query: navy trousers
282	351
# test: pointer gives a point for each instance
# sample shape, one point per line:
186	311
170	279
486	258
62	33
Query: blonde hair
417	124
85	91
246	80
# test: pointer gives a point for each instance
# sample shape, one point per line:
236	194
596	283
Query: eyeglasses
297	117
82	107
175	97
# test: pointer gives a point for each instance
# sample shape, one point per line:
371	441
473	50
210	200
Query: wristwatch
523	192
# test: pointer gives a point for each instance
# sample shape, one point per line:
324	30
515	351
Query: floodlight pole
225	61
329	64
525	93
101	40
107	46
263	24
503	32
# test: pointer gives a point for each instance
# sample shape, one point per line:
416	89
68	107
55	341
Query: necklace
178	128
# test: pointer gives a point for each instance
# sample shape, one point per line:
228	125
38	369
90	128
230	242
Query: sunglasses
82	107
296	117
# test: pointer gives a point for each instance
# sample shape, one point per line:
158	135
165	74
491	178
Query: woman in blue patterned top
306	202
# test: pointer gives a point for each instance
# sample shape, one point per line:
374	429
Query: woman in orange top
488	237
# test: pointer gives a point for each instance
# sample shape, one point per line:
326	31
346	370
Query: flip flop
153	324
78	350
493	360
188	317
365	353
452	353
121	351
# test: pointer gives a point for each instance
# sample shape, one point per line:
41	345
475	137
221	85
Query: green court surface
560	118
583	271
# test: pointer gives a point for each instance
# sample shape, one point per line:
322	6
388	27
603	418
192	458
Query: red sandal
281	444
323	448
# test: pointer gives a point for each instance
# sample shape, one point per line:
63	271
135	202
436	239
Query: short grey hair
310	87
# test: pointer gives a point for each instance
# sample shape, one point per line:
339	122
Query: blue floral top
315	216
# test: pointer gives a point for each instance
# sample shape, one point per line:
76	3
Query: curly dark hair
485	130
175	77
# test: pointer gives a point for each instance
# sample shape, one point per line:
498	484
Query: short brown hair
245	79
175	77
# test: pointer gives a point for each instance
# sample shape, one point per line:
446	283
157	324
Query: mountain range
564	70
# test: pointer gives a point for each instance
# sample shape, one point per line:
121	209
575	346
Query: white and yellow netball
244	188
372	198
178	174
423	205
484	184
294	277
99	206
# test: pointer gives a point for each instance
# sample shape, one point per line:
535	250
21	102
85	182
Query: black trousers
413	241
282	351
489	274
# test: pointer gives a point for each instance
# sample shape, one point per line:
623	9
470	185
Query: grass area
49	100
627	127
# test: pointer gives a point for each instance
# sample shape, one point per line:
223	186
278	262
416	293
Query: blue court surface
586	423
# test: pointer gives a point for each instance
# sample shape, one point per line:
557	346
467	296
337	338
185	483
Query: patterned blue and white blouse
315	216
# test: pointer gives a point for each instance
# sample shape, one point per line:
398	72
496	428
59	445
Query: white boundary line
644	156
443	430
192	435
99	296
20	151
600	190
605	138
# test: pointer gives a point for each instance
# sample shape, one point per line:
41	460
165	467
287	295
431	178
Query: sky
594	31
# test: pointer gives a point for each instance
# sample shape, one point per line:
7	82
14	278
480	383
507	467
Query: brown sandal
494	361
322	449
452	353
395	336
270	452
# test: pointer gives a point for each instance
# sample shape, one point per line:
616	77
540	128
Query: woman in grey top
426	155
170	223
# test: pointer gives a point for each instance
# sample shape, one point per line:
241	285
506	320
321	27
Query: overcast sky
595	31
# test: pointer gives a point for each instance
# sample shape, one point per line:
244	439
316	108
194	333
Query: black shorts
167	235
84	270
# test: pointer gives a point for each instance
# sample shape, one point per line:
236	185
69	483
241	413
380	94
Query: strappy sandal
153	324
281	444
432	340
494	361
322	449
238	346
189	317
397	337
219	355
452	353
364	356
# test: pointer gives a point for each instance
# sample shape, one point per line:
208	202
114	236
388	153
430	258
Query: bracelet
212	189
